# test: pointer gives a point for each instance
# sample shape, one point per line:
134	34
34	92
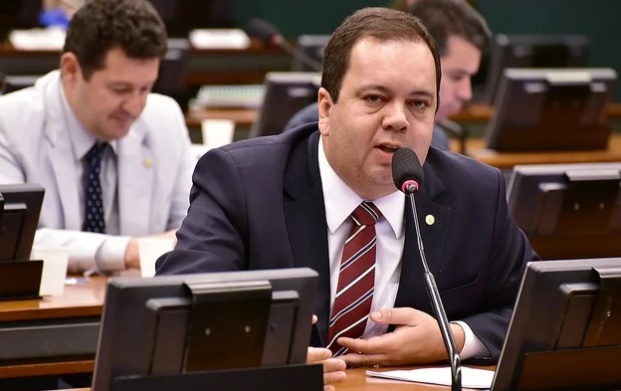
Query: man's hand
415	340
132	254
333	368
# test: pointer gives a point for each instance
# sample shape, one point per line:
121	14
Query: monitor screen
532	51
568	210
312	46
564	332
286	93
19	219
182	324
552	109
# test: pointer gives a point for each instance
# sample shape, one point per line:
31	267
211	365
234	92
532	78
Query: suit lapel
433	220
136	174
306	222
61	155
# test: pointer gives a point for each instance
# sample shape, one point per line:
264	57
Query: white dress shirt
340	201
110	255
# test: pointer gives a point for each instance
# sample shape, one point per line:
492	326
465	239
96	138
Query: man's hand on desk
132	253
415	340
333	368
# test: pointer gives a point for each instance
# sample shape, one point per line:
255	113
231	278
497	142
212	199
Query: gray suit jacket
154	167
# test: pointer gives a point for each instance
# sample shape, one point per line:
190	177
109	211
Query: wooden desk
358	381
506	160
246	117
204	66
78	301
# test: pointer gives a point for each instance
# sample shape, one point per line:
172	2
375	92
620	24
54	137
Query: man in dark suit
285	201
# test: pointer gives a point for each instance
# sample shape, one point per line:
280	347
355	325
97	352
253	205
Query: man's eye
373	98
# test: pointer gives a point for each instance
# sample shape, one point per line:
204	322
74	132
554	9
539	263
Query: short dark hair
102	25
383	24
445	18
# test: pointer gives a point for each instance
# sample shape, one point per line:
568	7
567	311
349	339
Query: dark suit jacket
309	114
258	204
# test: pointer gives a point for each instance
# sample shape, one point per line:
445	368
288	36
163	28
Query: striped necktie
354	293
93	201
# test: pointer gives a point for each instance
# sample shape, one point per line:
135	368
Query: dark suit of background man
285	201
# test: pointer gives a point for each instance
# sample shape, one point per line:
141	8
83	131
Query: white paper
219	39
217	132
38	39
150	249
470	377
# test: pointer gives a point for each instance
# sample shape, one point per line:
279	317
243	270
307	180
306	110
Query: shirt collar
81	140
340	200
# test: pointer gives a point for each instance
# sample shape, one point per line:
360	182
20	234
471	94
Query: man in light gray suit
114	158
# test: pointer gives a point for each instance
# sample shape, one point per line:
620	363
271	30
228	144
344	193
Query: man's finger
398	316
314	355
374	345
364	360
334	371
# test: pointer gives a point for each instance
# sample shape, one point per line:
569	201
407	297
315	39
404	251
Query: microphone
407	174
270	36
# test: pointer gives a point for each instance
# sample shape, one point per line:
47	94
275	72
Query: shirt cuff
473	347
110	256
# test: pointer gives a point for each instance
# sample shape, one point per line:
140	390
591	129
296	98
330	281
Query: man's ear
70	66
324	107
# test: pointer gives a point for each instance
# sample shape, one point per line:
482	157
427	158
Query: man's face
460	62
109	102
387	101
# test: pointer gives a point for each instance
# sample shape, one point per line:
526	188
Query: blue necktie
93	200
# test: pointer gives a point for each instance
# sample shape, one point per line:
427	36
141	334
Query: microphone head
407	173
264	31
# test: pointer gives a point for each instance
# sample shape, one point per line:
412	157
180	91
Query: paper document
38	39
470	377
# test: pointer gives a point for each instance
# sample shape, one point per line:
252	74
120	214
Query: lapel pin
430	220
148	163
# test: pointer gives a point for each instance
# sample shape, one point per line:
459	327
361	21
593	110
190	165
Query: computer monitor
531	51
171	78
552	109
564	333
187	323
15	83
286	93
19	219
568	210
312	46
17	15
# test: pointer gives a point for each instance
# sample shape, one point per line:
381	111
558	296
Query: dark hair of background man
445	18
383	24
102	25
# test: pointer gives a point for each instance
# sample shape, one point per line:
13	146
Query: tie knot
96	152
366	214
